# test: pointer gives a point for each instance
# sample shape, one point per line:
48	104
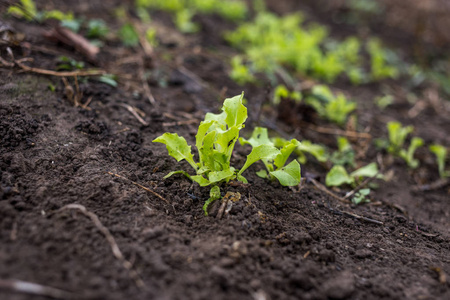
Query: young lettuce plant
333	108
338	176
215	140
397	138
441	154
288	175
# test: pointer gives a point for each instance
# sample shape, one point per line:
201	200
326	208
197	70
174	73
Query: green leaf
178	172
260	136
441	154
215	177
201	132
260	152
109	79
202	181
318	151
367	171
225	141
338	176
408	156
127	33
177	147
397	136
289	175
236	112
262	173
285	152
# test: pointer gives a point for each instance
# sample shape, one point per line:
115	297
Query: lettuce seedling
27	10
281	92
345	155
397	136
333	108
361	196
288	175
318	151
441	154
338	176
408	155
215	140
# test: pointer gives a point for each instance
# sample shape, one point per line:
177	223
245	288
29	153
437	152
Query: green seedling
334	108
408	155
97	29
338	175
361	197
150	35
395	144
240	73
288	175
397	136
382	61
183	21
441	155
305	147
345	155
384	101
28	11
281	92
69	64
128	35
215	140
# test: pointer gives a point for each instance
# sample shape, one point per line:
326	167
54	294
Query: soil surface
275	243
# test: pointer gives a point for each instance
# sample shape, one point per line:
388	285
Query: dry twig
133	111
19	63
327	191
109	237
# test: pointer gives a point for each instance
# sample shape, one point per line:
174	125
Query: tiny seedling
288	175
345	155
281	92
240	73
128	35
215	140
397	136
97	29
361	196
338	176
408	155
28	11
334	108
67	63
441	154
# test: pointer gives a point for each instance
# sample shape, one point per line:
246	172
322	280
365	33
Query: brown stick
47	72
35	289
134	113
142	187
333	131
327	191
369	220
80	43
109	237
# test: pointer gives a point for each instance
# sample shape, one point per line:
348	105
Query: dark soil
276	242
